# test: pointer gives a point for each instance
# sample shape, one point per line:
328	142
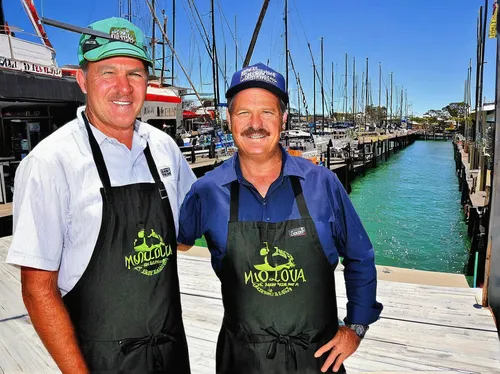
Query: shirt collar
290	168
100	137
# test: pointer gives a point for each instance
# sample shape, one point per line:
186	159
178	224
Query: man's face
116	90
255	121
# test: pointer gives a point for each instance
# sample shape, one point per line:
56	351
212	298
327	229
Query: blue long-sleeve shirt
205	211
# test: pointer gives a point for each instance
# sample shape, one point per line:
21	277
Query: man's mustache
251	131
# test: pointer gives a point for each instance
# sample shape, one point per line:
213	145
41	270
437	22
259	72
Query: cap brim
257	84
115	49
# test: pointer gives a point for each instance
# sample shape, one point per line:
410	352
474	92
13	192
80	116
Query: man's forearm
53	324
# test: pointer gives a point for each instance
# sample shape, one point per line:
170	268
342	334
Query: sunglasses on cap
91	43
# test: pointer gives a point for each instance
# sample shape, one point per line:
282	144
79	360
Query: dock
424	328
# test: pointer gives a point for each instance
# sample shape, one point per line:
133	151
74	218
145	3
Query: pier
432	327
475	202
369	151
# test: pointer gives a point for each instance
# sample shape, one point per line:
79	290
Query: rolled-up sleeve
190	219
40	209
355	247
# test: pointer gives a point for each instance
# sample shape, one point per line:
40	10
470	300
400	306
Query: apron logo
299	231
278	275
149	259
165	172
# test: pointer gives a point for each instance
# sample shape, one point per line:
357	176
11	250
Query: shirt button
264	202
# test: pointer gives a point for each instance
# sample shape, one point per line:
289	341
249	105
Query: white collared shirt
57	200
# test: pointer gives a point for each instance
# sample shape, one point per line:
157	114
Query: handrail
9	30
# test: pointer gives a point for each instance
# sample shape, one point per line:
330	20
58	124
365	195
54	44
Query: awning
189	114
17	85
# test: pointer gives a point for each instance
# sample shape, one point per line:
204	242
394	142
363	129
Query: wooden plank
5	210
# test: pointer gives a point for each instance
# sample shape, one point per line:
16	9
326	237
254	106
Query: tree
437	115
458	109
375	114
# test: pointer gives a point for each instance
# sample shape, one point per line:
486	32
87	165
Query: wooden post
328	151
491	289
364	159
193	156
374	153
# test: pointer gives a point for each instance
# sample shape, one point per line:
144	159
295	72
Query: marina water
410	207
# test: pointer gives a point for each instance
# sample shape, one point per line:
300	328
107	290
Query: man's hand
343	344
183	247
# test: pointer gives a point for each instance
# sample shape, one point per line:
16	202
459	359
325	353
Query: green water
410	207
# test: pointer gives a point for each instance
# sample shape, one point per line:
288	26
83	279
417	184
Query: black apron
126	307
278	290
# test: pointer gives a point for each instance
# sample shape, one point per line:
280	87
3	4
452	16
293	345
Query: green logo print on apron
278	275
149	259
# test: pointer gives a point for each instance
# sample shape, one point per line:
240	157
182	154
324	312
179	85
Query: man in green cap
95	221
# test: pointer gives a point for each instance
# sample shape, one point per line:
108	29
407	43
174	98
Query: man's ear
82	80
285	116
228	118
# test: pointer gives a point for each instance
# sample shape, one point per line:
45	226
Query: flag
493	22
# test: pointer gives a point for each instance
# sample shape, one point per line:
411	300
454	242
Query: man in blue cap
276	226
95	218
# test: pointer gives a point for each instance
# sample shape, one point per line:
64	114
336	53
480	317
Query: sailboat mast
386	106
366	92
379	90
225	66
287	126
354	92
333	85
163	49
322	91
314	94
256	31
362	96
236	46
153	39
214	61
345	89
298	96
401	109
390	118
173	42
406	104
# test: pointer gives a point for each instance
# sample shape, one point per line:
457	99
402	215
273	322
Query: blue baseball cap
258	76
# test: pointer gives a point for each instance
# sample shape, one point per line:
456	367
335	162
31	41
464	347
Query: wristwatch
360	330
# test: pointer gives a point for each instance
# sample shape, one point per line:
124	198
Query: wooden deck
423	328
5	210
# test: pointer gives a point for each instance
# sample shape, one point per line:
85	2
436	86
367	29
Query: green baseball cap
126	39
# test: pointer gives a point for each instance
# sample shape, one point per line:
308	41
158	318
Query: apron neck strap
154	172
297	191
299	196
97	154
235	197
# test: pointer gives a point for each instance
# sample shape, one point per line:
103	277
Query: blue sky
427	44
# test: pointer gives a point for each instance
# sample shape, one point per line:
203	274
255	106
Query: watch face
360	330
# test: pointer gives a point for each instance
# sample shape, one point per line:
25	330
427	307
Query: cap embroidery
255	73
123	34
